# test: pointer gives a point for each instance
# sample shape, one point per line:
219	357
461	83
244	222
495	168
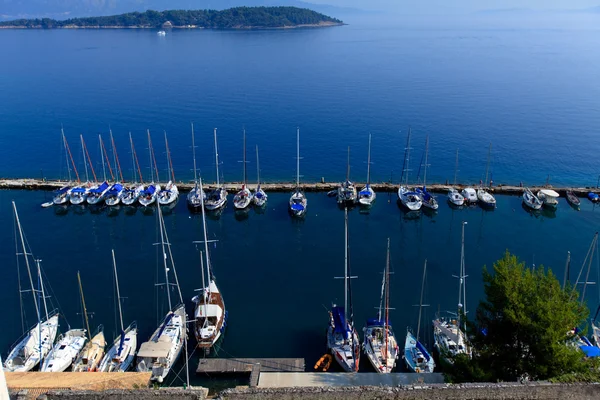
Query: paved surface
231	365
316	379
95	381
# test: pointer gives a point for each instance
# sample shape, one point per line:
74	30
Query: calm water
277	274
531	88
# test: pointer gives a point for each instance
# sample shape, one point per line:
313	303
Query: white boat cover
549	193
212	310
154	349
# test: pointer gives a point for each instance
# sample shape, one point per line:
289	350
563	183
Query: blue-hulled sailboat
259	197
367	195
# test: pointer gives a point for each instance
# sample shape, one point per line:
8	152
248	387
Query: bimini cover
590	351
258	195
423	350
425	193
339	319
100	188
115	189
592	195
374	322
550	193
78	190
298	207
150	191
365	192
63	190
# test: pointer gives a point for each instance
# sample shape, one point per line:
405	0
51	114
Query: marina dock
253	366
343	379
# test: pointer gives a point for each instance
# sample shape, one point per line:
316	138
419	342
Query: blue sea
531	90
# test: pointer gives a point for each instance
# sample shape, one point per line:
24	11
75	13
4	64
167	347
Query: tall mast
115	155
26	255
348	166
71	157
567	268
132	158
85	315
86	153
244	159
216	157
42	292
406	170
387	298
346	263
488	165
462	286
194	155
421	301
170	172
426	165
369	163
456	167
257	170
118	292
162	243
167	243
62	132
135	160
208	269
87	178
297	158
102	156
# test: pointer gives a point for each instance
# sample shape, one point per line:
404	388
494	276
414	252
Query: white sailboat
33	347
259	197
209	307
132	192
150	192
416	356
367	195
170	193
298	202
3	385
120	356
486	199
217	198
65	351
90	357
342	338
449	334
380	345
530	200
195	197
158	354
79	193
97	192
61	196
346	194
426	198
243	198
454	196
409	199
115	192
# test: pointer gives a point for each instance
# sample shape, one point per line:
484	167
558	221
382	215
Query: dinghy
409	198
346	193
243	198
65	351
549	198
324	363
367	195
380	345
297	204
342	338
217	198
195	197
530	200
426	198
170	193
259	197
573	199
416	356
120	355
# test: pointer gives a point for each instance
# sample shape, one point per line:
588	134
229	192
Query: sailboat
259	197
298	202
61	196
367	195
37	342
416	356
65	351
408	198
342	338
486	199
531	200
158	354
217	198
120	356
90	357
426	198
114	193
346	194
454	196
79	194
243	198
210	314
380	345
170	193
195	197
97	192
449	336
132	192
148	195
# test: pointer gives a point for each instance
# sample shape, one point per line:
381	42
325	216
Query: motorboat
168	195
454	197
65	351
530	200
113	195
96	193
470	195
549	198
409	199
486	199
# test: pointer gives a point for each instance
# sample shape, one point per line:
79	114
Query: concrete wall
134	394
538	391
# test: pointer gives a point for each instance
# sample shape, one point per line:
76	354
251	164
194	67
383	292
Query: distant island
233	18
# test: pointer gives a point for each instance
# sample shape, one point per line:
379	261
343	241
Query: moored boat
530	200
549	198
96	194
170	193
366	196
113	195
346	192
593	197
427	199
409	198
195	197
243	198
573	199
259	197
297	203
61	196
455	198
216	199
486	199
470	195
65	351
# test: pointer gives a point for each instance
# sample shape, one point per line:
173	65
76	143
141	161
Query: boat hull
65	351
242	199
26	354
115	361
366	197
259	198
410	200
416	357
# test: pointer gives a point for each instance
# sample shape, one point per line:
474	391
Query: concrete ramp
318	379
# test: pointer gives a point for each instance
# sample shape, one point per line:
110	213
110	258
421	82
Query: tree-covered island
233	18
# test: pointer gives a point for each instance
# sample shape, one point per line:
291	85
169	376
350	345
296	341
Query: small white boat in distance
454	197
549	198
65	351
161	33
530	200
470	195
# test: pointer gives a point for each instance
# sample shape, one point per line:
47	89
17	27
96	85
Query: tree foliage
521	328
239	17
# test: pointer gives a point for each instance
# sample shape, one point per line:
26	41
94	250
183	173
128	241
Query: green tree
521	328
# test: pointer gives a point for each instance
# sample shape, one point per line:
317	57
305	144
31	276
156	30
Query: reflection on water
241	215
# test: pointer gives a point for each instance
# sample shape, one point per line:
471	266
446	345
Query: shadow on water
531	211
214	215
96	209
408	214
241	215
130	210
79	209
259	209
549	213
113	211
168	209
147	211
429	212
61	210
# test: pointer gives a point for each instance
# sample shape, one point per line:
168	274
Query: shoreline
324	24
385	187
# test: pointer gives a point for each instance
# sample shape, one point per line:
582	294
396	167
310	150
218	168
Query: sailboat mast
348	166
421	301
194	155
85	315
26	255
89	159
346	263
567	268
62	132
216	158
118	292
87	178
135	161
43	293
257	170
170	172
407	158
426	165
102	156
369	163
487	168
71	157
244	159
208	274
462	289
297	158
387	298
162	243
203	284
456	167
115	155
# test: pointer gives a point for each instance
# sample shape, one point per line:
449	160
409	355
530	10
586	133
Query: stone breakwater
39	184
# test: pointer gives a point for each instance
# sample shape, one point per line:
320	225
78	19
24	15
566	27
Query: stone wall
133	394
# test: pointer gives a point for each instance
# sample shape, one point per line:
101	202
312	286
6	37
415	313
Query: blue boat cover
297	207
592	195
100	188
365	192
121	343
150	191
411	193
423	350
164	325
78	190
374	322
590	351
259	195
63	190
425	193
339	319
586	340
115	189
